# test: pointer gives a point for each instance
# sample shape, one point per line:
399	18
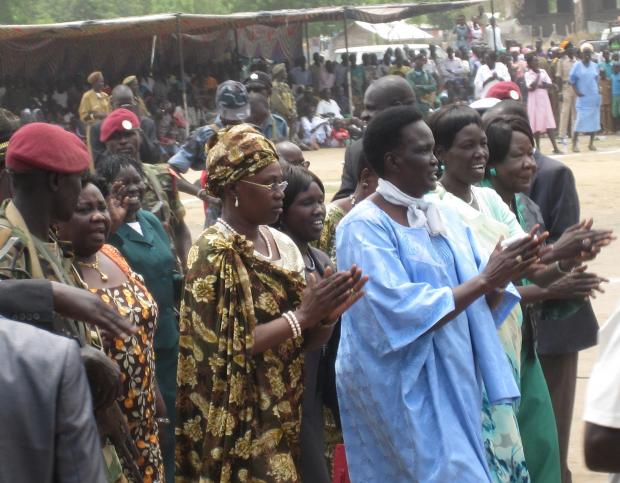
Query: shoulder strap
13	220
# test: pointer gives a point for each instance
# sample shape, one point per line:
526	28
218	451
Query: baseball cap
231	99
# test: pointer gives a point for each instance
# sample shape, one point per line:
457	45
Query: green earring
493	172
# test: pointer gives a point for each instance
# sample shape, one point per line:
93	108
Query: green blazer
150	255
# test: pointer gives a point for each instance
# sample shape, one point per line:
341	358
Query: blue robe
410	399
588	106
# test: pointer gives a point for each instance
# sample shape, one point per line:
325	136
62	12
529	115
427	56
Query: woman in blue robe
415	352
584	79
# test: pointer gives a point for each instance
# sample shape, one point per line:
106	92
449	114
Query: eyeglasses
273	187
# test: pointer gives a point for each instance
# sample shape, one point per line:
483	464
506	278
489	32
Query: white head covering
420	213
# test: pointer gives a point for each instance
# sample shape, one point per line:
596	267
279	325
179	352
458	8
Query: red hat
119	120
505	90
41	146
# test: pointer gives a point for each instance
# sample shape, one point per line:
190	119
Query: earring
493	172
236	202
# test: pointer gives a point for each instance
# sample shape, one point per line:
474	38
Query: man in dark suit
150	151
48	428
388	91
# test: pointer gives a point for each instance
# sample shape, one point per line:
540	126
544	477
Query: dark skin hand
322	301
79	304
601	448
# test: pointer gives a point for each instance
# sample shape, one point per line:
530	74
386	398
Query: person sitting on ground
423	84
273	126
314	130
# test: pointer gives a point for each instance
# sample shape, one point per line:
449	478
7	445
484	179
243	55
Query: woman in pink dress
538	104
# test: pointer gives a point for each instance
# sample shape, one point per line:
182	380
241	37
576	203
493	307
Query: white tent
398	31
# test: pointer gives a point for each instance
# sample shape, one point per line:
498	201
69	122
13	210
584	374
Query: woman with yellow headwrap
246	320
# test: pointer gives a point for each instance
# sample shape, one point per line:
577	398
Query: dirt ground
598	178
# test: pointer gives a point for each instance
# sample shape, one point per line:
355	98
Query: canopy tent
166	24
399	31
129	45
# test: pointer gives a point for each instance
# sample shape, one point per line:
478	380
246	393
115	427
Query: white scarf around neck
420	213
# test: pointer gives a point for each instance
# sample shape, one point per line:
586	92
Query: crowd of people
426	321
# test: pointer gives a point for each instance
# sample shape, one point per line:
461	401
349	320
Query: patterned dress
238	413
136	358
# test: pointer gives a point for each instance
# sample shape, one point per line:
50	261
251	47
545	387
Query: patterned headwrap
234	153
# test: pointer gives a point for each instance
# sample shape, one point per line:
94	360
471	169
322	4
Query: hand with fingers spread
117	202
329	298
577	284
579	243
515	260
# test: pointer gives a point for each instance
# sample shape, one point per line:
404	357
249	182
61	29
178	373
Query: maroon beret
118	120
46	147
505	90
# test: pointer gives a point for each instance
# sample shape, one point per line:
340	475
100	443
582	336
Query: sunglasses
273	187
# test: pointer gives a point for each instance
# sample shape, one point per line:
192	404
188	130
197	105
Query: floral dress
136	358
238	413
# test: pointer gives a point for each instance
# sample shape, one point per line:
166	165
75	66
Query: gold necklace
95	266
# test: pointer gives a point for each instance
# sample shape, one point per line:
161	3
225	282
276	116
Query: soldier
46	165
9	123
119	133
282	99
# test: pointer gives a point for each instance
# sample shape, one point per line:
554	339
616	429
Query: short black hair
448	121
299	180
109	165
384	133
499	131
96	180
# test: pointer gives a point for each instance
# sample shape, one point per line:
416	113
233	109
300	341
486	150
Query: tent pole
346	47
307	43
237	53
494	23
182	71
153	47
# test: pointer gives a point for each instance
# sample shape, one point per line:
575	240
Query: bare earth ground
598	182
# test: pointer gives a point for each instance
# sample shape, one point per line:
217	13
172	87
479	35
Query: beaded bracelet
292	324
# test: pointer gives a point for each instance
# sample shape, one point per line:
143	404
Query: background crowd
392	323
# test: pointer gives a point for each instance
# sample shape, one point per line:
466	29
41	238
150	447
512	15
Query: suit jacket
150	152
48	430
350	169
28	301
555	193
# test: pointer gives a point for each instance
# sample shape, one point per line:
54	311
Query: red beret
505	90
118	120
46	147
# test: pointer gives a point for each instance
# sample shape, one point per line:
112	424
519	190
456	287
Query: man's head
606	55
326	94
279	72
586	52
47	162
450	52
291	153
123	97
120	133
231	100
419	61
260	82
387	91
259	108
96	81
316	58
132	82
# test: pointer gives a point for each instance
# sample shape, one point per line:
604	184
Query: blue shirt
410	398
193	153
586	81
615	84
275	128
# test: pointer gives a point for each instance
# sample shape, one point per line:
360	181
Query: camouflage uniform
23	256
162	197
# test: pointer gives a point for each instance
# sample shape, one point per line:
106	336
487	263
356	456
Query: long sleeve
78	457
28	301
349	170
